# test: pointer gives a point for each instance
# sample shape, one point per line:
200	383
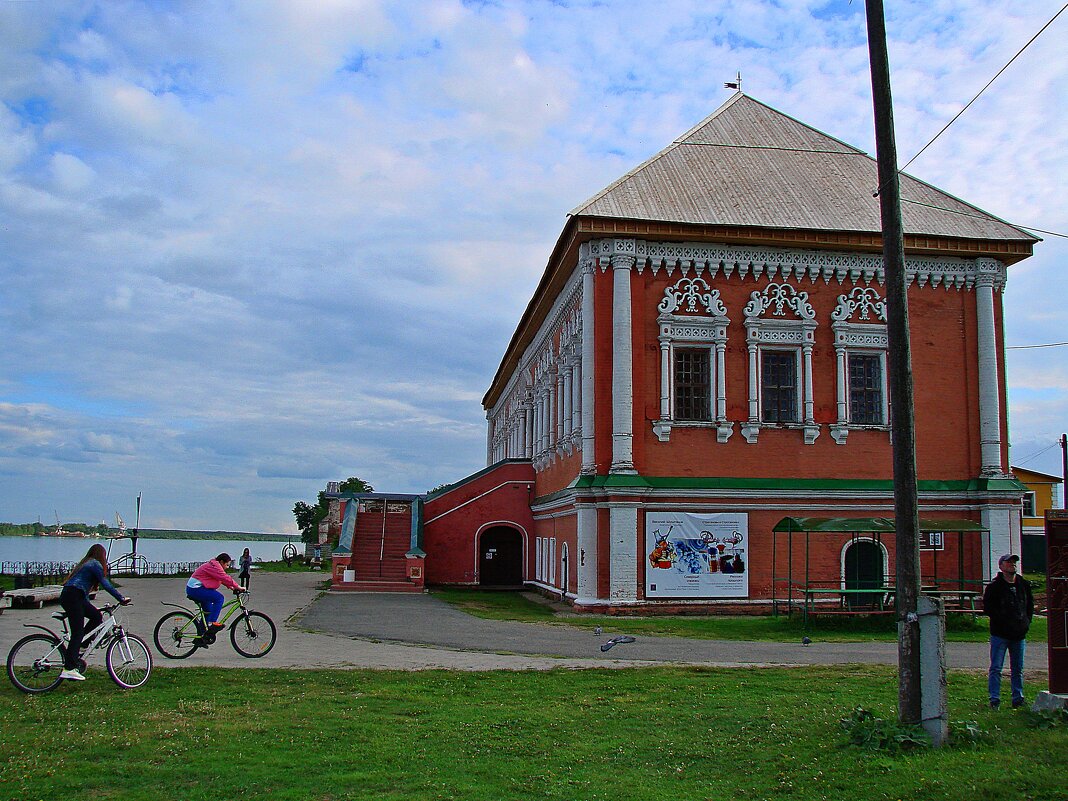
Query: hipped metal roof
748	164
866	525
751	171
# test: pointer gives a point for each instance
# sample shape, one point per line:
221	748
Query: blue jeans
1016	648
211	600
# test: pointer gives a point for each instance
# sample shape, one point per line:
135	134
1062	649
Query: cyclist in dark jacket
1009	604
87	575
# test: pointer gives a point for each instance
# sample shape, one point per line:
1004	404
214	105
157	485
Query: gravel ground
318	629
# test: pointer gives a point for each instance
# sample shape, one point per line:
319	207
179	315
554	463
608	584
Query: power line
980	217
946	126
1056	443
1025	347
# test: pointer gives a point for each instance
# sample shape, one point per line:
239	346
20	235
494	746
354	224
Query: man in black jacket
1009	604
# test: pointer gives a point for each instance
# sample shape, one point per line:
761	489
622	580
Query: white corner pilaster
589	463
586	594
989	395
998	540
622	367
623	558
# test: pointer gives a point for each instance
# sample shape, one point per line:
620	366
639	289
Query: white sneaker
72	674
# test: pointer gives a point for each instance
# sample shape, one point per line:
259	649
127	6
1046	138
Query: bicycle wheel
129	661
34	663
174	635
253	634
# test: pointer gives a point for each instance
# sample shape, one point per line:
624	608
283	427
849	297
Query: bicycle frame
228	610
91	640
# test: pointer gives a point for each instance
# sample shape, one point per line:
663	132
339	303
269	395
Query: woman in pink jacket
203	587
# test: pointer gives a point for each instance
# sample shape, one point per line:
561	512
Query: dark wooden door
500	557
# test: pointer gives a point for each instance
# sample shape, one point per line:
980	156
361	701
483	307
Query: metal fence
39	574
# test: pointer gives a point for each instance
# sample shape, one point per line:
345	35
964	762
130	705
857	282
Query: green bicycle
179	633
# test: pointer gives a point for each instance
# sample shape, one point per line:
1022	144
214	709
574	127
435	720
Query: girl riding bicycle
202	587
86	576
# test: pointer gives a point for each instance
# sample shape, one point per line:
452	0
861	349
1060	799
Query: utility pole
903	427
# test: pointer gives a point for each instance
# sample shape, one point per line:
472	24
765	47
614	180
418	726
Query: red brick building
705	355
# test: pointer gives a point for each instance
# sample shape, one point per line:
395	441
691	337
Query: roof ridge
633	171
803	125
681	140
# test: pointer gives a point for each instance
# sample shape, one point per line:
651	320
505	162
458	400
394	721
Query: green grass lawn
662	733
516	606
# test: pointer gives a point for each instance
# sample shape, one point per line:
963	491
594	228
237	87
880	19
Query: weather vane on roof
735	84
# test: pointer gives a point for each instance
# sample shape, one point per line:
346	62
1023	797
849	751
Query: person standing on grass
87	575
244	564
1009	604
203	587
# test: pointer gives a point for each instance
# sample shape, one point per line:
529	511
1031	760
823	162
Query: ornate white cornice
786	263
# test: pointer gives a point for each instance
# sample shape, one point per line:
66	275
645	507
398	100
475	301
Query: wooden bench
35	597
882	597
957	600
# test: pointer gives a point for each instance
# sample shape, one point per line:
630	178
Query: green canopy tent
856	527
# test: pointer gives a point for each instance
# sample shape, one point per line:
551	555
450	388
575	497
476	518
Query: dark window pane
865	389
778	386
693	390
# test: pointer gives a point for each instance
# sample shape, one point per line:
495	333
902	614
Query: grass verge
671	733
882	628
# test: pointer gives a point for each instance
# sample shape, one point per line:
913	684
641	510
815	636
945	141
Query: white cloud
252	247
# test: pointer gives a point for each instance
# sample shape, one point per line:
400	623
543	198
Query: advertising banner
696	555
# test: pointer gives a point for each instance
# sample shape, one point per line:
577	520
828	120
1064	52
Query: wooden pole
903	429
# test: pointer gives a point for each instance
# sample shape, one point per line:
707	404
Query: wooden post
906	504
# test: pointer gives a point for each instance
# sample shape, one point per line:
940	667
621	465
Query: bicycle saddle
59	615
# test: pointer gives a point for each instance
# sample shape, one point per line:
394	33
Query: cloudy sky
250	247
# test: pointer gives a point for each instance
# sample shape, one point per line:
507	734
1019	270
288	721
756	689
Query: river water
72	549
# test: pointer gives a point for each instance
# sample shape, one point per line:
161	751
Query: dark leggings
79	610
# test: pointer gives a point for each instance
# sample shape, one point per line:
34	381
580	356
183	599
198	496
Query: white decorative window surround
692	315
857	331
780	318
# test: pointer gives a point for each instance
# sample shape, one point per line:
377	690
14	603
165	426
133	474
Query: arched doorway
500	557
864	570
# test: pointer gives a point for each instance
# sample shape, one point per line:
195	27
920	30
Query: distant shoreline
166	534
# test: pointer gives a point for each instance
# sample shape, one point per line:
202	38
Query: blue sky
247	248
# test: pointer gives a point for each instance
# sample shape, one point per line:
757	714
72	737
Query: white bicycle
35	662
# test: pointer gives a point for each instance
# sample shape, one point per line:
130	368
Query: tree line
309	517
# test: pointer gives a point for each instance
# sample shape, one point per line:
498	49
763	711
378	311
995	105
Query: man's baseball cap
1009	557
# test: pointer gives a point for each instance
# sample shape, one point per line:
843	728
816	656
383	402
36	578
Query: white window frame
862	335
538	548
1033	498
691	315
780	318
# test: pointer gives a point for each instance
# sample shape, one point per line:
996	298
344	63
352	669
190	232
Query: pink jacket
211	575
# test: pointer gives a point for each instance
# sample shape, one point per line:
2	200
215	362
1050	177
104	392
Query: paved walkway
413	632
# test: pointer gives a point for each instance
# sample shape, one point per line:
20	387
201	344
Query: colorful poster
696	555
